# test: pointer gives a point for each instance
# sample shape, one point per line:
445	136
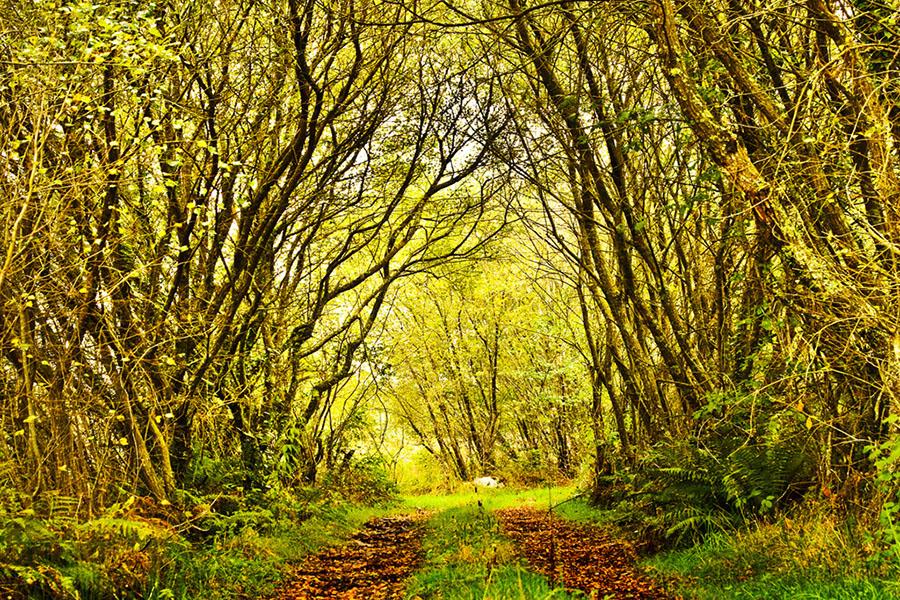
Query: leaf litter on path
374	564
578	556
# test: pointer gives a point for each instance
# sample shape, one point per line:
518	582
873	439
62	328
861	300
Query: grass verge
491	498
812	556
251	563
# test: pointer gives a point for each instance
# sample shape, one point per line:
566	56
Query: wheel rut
578	556
373	564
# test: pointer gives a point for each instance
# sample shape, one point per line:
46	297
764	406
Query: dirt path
374	564
577	556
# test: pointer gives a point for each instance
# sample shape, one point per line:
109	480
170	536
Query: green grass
250	563
810	559
327	527
506	582
578	508
492	499
467	557
245	554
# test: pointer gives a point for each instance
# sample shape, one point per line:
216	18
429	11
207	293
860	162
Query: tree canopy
262	244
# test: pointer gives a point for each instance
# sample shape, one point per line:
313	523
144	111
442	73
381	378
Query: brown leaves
373	565
577	556
376	562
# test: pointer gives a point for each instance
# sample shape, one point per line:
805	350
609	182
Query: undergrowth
811	554
212	547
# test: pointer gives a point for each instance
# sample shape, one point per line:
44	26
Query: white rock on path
488	482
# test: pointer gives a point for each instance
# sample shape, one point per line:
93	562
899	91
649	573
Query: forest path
373	564
381	560
577	555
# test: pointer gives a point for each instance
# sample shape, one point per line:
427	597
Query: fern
61	511
697	490
41	582
129	530
690	523
27	541
85	577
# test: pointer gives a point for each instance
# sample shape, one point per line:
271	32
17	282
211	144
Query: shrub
886	457
734	468
367	479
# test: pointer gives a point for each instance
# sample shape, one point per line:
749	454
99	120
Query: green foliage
715	492
291	454
214	474
47	557
534	467
25	540
367	480
730	474
886	458
213	547
724	477
420	473
38	582
810	556
88	578
244	567
230	525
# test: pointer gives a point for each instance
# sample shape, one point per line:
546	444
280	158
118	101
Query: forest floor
474	547
537	544
578	555
374	564
550	544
